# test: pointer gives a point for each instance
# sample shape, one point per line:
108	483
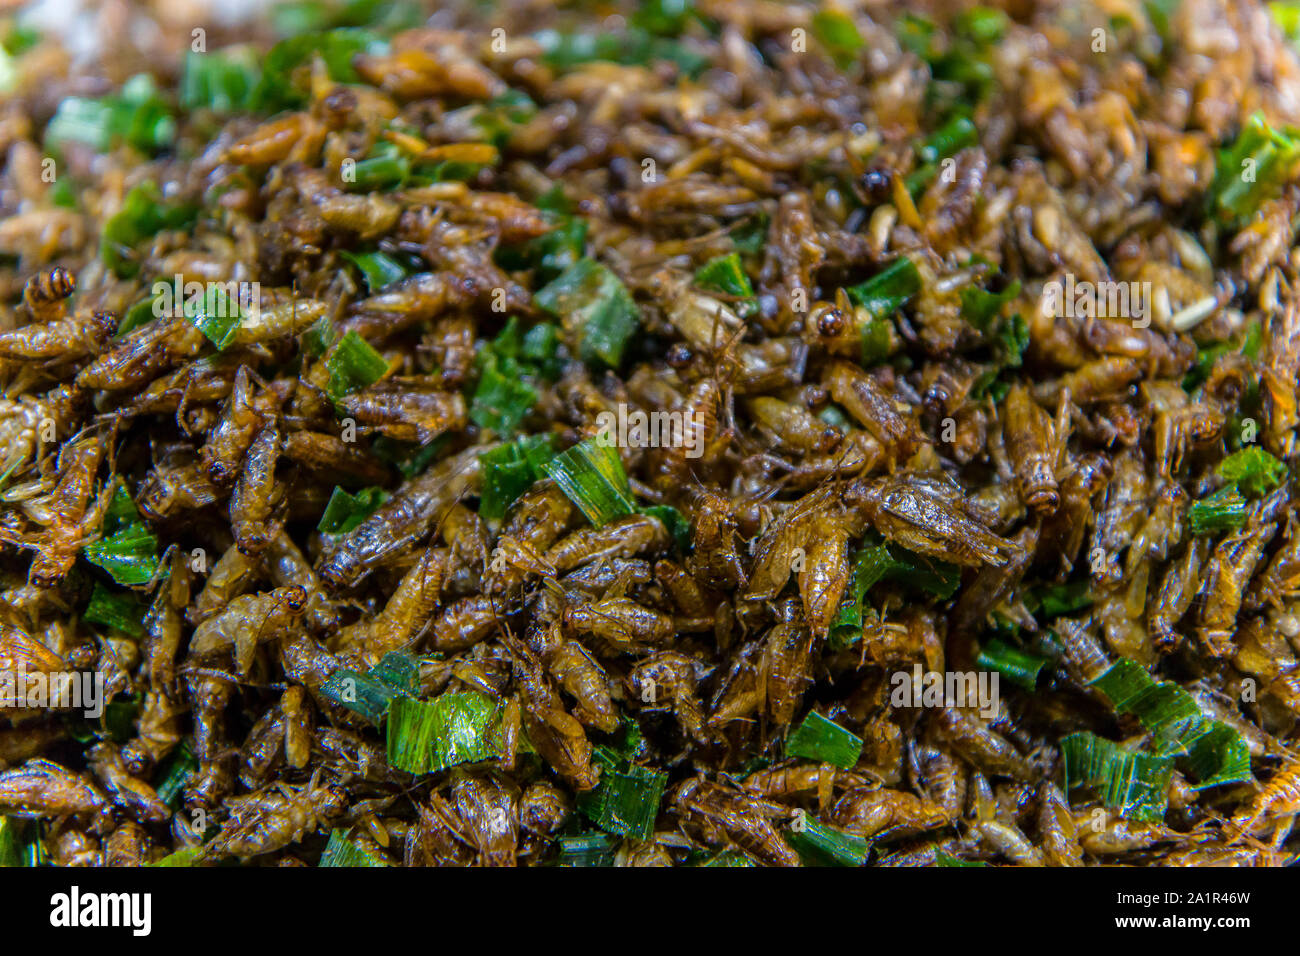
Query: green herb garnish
595	306
824	741
592	476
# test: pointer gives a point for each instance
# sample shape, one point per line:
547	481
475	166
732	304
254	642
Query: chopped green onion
979	307
336	49
142	216
876	342
502	398
961	60
504	393
541	349
175	774
64	193
749	235
223	81
217	315
592	476
1012	663
624	746
1054	600
666	18
1252	470
318	338
1225	510
20	39
1215	753
948	140
1252	170
1134	784
120	610
1009	345
914	570
983	25
594	848
19	843
409	458
386	167
139	314
1218	756
725	274
869	567
399	670
119	718
632	46
346	511
824	741
310	16
184	857
340	851
874	563
8	72
885	293
352	364
943	859
836	31
379	270
593	304
625	802
1207	356
554	252
360	693
509	470
127	550
136	115
455	728
679	529
371	694
502	115
729	857
1286	14
821	845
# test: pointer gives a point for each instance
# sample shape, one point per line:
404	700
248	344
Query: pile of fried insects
690	433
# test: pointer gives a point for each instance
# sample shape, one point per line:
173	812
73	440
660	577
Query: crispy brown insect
45	292
60	339
68	513
248	621
270	819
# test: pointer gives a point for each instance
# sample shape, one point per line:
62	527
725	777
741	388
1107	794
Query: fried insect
929	520
70	518
401	521
272	818
248	621
41	787
62	340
